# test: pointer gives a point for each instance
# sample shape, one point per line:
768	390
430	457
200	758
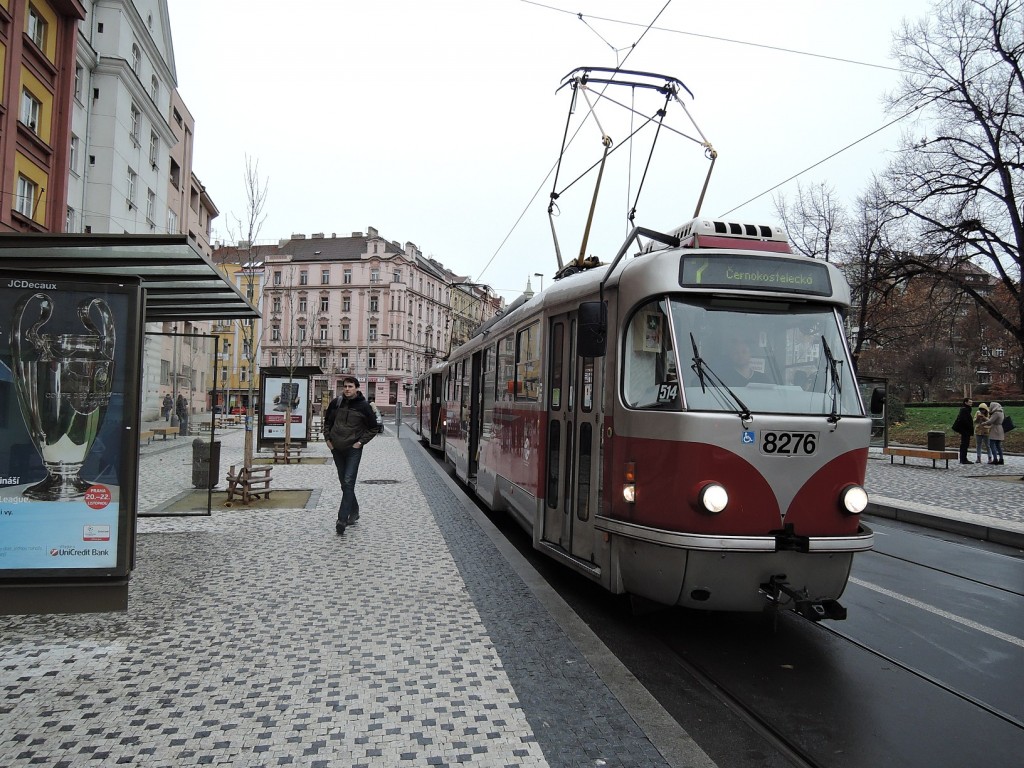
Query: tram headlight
853	500
629	484
713	498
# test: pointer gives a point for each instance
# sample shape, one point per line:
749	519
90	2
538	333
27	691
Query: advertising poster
66	473
276	393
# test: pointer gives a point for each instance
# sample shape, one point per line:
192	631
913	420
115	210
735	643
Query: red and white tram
683	425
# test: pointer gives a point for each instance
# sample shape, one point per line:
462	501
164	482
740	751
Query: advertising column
68	453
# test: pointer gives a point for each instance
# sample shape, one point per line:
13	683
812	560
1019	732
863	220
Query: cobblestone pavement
977	495
261	638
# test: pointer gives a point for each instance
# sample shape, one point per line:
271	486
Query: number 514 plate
789	443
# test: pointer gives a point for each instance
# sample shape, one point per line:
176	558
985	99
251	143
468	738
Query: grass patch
920	421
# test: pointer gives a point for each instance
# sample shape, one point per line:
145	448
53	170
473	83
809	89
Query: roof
180	283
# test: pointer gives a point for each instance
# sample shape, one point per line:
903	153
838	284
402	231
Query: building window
347	277
302	304
325	303
323	362
78	81
343	362
150	203
325	277
172	222
136	118
344	333
373	331
31	108
302	333
136	58
323	333
275	333
375	275
154	148
346	304
36	28
276	304
154	88
371	361
398	275
374	304
74	153
25	199
273	358
303	277
277	277
132	179
69	221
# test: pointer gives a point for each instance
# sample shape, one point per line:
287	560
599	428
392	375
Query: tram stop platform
259	637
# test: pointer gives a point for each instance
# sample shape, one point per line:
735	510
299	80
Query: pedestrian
168	406
349	424
981	432
964	426
181	411
995	432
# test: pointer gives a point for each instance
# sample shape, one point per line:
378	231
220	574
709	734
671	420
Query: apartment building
130	168
360	305
37	51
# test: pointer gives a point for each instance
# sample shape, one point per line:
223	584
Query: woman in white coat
995	433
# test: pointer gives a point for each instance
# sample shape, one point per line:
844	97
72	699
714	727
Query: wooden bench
248	484
147	435
920	453
287	454
165	431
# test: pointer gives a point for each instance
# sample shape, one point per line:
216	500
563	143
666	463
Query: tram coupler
777	589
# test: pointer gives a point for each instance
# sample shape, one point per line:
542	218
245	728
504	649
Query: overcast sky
437	122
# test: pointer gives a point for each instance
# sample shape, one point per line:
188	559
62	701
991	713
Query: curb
951	521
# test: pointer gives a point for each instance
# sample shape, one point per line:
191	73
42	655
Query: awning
180	282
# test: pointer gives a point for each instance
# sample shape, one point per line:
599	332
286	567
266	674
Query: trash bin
205	463
936	441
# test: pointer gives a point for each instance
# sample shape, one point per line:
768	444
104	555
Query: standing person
981	432
168	406
181	411
995	433
349	424
964	426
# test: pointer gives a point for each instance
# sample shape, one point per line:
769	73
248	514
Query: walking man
349	424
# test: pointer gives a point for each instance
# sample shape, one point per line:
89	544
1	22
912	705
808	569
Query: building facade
37	51
360	305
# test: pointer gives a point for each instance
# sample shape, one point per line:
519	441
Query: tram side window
506	368
649	378
528	363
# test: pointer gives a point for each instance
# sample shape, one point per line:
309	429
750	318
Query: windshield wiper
837	382
701	368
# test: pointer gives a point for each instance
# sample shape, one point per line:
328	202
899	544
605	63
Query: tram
683	425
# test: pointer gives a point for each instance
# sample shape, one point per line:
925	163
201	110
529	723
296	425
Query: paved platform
420	637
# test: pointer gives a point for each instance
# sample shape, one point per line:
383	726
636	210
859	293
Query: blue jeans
347	462
996	447
981	444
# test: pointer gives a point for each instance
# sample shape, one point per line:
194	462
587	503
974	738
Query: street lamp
541	276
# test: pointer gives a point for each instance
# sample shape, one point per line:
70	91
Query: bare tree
813	220
962	185
251	271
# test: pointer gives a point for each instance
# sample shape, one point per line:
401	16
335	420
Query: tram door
476	413
435	394
570	494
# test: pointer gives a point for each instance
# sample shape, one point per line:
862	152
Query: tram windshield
731	354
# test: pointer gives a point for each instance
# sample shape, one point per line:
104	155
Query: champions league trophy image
63	382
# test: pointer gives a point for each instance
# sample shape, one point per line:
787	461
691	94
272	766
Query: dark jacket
348	422
964	424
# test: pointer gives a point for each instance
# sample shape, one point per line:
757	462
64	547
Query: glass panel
583	482
556	366
554	453
773	356
649	377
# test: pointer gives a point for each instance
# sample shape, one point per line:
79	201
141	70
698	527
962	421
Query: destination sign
757	273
